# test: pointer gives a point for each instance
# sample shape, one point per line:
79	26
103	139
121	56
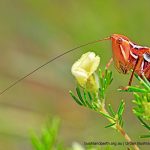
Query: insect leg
109	63
136	66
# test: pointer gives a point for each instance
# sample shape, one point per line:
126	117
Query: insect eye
119	40
146	57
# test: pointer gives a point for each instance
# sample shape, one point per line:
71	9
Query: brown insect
126	56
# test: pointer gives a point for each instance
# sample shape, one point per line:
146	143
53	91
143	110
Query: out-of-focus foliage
49	139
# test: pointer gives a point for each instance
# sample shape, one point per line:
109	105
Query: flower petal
85	67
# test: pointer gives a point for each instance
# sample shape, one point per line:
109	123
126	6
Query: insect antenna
49	61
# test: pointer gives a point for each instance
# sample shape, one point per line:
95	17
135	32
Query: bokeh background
33	31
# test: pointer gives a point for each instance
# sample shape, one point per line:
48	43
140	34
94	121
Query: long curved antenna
49	61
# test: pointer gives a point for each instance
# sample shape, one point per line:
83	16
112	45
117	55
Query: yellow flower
84	68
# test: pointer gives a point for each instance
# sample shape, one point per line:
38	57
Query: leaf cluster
96	101
90	99
118	115
48	140
142	103
141	100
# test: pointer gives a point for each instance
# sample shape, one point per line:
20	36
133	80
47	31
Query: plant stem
120	129
126	136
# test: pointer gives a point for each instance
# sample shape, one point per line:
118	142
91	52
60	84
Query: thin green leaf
143	82
106	115
94	106
111	110
146	81
120	108
138	77
144	123
80	96
102	93
86	100
137	98
90	96
120	121
109	78
134	89
75	98
101	79
110	125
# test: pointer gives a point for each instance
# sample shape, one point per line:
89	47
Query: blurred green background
33	31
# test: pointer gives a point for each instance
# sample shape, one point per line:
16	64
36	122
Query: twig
120	129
